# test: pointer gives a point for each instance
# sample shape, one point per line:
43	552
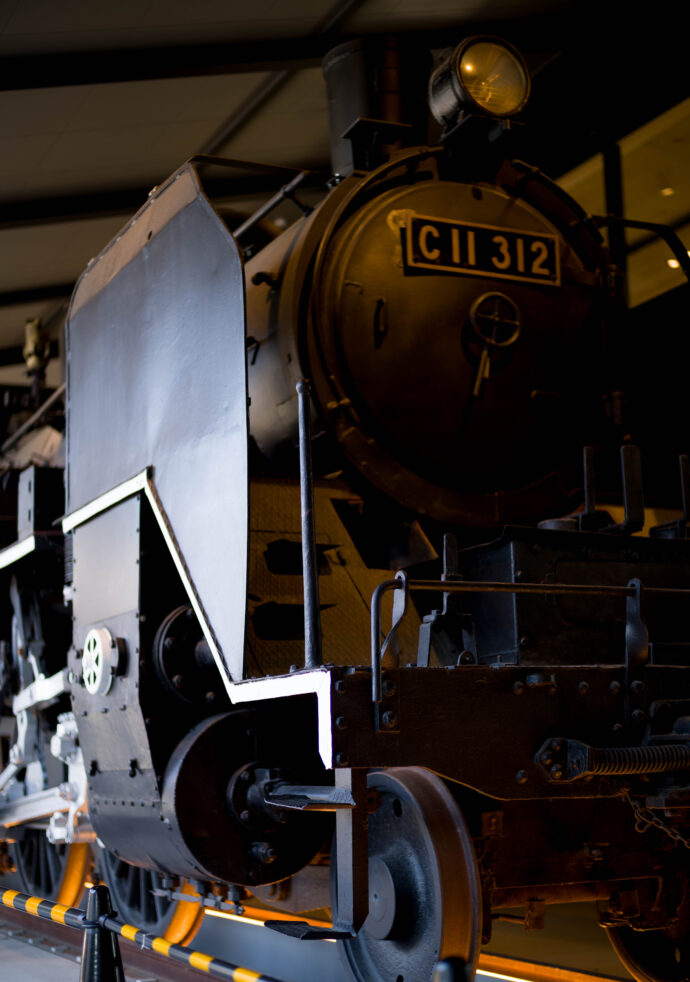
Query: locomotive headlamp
483	75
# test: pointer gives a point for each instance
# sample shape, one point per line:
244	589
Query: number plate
440	245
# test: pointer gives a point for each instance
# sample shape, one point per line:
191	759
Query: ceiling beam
35	294
92	67
127	201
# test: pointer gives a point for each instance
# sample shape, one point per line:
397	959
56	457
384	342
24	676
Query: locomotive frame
191	768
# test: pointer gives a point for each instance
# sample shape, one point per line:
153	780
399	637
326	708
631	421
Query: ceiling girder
126	201
65	68
35	294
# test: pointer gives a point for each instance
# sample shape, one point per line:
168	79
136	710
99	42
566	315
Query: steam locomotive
417	682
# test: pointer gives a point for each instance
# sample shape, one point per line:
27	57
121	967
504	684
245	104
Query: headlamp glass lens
493	77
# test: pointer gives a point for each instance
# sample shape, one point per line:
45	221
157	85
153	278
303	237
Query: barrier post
451	970
100	960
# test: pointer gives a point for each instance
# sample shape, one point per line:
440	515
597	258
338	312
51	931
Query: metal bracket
303	931
563	761
633	495
302	797
636	655
351	907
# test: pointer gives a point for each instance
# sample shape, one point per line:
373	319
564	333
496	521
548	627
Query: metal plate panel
106	567
157	378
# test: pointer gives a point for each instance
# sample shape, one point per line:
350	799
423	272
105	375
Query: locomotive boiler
417	684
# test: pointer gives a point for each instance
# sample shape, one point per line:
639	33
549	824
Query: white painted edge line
143	482
317	681
163	524
251	690
10	554
107	500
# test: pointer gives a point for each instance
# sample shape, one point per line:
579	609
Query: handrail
401	582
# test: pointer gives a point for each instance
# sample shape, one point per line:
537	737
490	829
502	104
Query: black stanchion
451	970
100	960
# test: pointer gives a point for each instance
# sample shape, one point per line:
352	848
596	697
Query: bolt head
639	715
521	777
389	720
341	759
637	686
615	687
341	722
583	688
518	688
556	772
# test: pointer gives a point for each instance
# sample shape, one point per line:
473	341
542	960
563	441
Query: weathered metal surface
156	349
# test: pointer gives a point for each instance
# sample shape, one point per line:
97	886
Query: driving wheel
133	895
53	872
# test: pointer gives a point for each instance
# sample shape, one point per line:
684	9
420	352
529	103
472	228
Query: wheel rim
54	873
424	889
132	895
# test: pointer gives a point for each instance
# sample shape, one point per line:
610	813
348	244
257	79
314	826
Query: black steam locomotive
416	682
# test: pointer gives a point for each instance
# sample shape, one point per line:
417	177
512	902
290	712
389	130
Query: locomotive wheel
424	890
52	872
131	892
656	956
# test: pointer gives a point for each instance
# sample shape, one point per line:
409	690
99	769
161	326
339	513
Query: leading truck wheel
424	888
133	895
51	872
656	956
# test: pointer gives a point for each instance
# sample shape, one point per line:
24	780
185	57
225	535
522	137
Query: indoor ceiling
100	101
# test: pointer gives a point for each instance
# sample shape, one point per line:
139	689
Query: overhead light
483	75
667	192
673	263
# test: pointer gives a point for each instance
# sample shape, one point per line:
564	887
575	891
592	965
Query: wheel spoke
42	867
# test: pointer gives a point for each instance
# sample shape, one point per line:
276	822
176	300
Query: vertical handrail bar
310	574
